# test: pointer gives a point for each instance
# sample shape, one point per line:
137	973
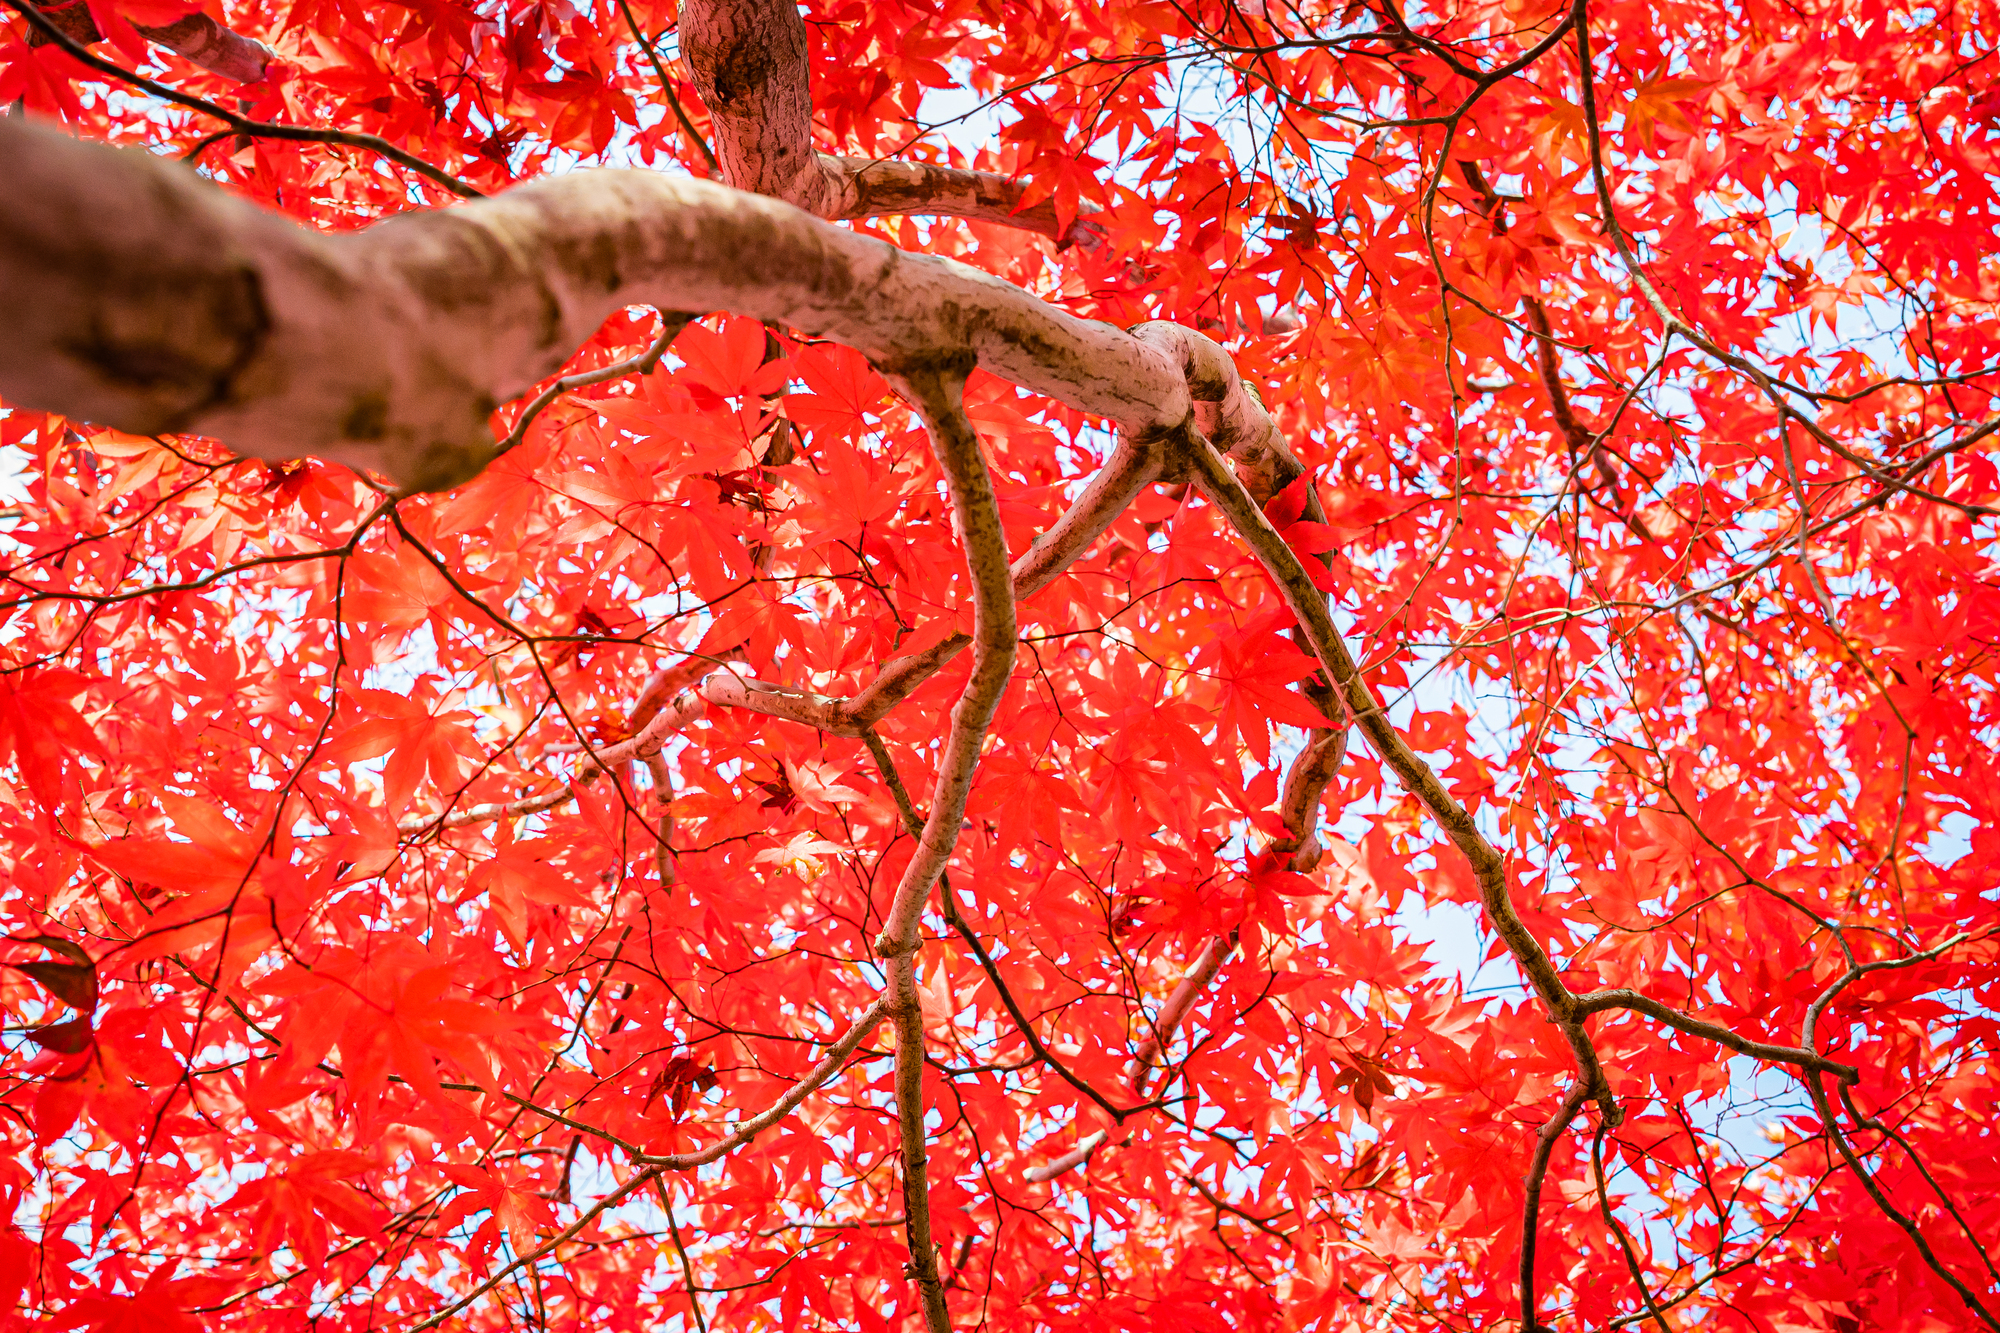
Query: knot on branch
887	947
930	376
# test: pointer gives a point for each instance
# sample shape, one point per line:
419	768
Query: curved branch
671	323
1531	1207
152	301
935	386
688	131
1617	1231
1306	782
1133	465
197	38
749	62
1599	1001
1489	867
221	51
870	187
1202	971
831	1064
1828	1117
1227	410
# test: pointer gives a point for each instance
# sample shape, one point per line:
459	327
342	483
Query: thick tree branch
1227	411
749	63
153	302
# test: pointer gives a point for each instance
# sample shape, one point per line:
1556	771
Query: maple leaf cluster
398	935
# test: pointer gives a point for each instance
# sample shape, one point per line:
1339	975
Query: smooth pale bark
197	38
1070	1160
142	297
219	50
871	187
1192	984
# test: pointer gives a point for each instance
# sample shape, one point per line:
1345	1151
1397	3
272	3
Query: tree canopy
723	667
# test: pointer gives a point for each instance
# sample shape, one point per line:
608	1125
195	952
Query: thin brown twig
240	124
1531	1207
671	324
1618	1231
914	824
667	86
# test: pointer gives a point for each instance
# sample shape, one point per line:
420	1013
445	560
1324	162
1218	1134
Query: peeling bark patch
367	417
552	328
443	465
183	344
594	261
742	71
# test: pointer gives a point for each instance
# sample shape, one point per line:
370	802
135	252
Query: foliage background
1654	448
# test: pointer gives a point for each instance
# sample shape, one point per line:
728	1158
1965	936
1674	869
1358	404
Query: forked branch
750	64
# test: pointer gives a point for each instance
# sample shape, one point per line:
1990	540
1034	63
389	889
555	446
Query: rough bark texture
748	58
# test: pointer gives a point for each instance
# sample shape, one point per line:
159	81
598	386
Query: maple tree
647	684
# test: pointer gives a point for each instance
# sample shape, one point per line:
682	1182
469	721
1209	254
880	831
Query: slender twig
1618	1231
671	324
667	86
674	1230
1829	1119
1604	1000
239	124
589	1215
1531	1207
